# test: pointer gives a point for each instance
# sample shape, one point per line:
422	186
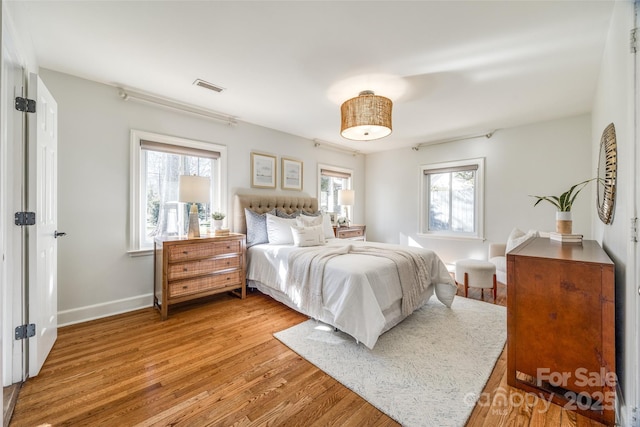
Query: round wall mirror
607	165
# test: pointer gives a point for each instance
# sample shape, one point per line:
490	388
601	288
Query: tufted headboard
265	202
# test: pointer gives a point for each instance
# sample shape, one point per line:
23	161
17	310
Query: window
332	179
156	163
452	195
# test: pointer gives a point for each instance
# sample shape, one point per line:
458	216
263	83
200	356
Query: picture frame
263	171
333	216
291	174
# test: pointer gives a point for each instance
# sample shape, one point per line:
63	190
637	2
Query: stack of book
566	238
221	232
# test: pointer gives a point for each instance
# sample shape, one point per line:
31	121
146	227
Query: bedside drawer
204	284
349	234
196	268
203	250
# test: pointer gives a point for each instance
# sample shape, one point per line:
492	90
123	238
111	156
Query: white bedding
361	294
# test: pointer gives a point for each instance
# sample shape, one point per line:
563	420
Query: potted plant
563	203
217	220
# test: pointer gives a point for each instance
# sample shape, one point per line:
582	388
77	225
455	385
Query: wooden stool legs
495	287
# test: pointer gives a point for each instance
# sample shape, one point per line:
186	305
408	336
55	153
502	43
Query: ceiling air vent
207	85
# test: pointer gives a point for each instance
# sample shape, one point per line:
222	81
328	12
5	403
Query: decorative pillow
308	221
326	224
279	230
256	227
518	237
283	214
307	236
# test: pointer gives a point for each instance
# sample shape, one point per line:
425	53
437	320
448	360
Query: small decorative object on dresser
352	232
186	269
563	203
218	218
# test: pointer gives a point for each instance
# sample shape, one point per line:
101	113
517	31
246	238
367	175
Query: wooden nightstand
186	269
353	232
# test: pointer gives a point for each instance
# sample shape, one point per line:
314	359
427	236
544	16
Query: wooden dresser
352	232
186	269
560	324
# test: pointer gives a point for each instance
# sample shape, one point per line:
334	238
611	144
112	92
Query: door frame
13	179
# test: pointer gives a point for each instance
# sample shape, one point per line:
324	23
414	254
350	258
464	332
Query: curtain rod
330	146
127	95
487	135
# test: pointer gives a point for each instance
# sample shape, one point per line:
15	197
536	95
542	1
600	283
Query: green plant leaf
566	199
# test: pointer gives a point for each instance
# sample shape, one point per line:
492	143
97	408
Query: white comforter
361	294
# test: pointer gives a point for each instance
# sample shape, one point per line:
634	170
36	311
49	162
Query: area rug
427	371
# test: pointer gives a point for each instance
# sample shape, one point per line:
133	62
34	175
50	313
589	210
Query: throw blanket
306	270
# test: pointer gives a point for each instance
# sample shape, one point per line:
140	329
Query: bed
360	288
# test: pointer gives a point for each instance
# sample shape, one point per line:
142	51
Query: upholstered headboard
265	202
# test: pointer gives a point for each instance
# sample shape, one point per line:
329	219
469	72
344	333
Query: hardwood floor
217	363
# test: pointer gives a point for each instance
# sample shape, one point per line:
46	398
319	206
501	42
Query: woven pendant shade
366	117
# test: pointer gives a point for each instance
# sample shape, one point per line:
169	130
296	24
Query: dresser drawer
204	284
203	250
188	269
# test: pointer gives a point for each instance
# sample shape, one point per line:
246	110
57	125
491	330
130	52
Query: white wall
614	103
96	276
543	158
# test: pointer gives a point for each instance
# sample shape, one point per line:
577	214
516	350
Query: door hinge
25	218
25	331
25	104
634	229
633	41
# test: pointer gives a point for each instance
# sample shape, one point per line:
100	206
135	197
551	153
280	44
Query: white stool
476	274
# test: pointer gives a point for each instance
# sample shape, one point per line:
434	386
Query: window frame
136	168
479	189
340	170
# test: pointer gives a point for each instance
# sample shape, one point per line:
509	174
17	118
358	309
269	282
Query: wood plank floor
217	363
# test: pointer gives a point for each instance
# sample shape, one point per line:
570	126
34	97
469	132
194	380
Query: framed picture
333	216
263	171
291	174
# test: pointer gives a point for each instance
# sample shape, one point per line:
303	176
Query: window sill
450	237
140	252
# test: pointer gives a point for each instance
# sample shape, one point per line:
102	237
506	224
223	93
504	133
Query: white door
42	199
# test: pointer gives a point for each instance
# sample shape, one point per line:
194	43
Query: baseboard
97	311
10	397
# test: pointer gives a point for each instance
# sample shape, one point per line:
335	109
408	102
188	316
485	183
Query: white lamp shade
193	189
346	197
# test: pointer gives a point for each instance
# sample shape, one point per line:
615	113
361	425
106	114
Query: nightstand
186	269
353	232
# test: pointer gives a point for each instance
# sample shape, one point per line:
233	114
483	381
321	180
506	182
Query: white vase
217	224
564	222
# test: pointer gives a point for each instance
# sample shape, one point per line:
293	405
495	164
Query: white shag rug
427	371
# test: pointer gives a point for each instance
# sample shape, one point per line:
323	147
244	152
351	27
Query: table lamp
346	199
193	189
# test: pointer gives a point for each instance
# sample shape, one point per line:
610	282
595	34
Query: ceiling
452	68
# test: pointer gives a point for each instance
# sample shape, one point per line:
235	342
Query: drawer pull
185	269
185	287
185	252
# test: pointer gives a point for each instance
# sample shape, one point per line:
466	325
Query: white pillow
308	221
279	230
307	236
518	237
326	224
